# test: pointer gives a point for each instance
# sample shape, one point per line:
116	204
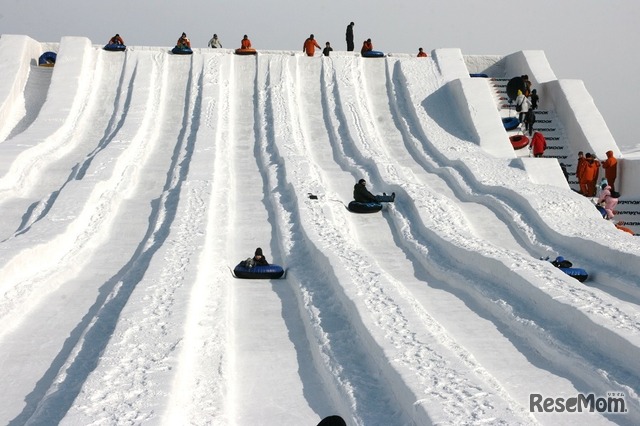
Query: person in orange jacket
538	144
421	53
245	43
183	41
310	45
116	39
610	166
367	46
590	175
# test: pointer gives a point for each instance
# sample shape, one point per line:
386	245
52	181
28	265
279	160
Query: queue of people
309	45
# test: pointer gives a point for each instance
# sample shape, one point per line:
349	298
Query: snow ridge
129	197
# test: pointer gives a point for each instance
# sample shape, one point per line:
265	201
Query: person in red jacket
367	46
538	144
421	53
116	39
310	45
610	166
245	43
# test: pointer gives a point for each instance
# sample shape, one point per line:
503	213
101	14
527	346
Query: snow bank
15	72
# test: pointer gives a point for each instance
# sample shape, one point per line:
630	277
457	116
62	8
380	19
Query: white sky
591	40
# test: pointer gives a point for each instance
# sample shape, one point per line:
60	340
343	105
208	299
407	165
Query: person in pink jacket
538	144
609	202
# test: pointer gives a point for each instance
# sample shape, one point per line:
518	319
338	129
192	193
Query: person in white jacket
524	103
215	42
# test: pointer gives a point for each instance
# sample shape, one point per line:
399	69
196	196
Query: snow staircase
547	122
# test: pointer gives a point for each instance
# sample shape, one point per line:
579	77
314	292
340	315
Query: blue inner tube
478	75
181	51
258	271
510	123
113	47
359	207
373	54
47	58
577	273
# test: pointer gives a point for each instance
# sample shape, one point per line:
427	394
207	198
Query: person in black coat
362	194
534	99
350	37
258	258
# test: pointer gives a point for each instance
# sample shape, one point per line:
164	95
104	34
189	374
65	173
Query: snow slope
130	184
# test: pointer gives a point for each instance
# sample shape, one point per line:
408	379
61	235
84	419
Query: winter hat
361	181
258	252
559	259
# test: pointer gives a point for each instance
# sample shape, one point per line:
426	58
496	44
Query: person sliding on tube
116	39
245	43
367	46
259	259
362	195
183	42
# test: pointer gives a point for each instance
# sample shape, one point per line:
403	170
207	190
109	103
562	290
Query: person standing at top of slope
245	43
310	45
349	36
116	39
610	166
367	46
183	42
327	49
214	43
421	53
362	195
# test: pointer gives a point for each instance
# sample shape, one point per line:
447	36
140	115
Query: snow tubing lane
113	47
249	51
510	123
258	272
181	51
373	54
519	141
47	59
577	273
359	207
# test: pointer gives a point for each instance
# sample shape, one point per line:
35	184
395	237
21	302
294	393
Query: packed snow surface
132	183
